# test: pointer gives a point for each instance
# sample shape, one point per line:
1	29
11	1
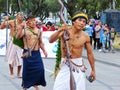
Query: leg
91	40
112	46
36	87
11	71
103	47
97	42
94	43
24	89
18	71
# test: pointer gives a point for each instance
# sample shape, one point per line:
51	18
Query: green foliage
90	6
52	6
37	7
3	6
43	7
12	17
58	58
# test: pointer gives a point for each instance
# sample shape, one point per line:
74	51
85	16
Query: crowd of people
102	37
49	26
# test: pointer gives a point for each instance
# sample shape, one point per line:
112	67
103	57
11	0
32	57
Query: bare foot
12	76
19	76
36	88
24	89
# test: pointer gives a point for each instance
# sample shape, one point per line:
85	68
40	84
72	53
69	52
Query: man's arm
42	45
97	28
5	23
59	33
90	57
54	36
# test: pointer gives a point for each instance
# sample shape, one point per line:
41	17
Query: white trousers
62	81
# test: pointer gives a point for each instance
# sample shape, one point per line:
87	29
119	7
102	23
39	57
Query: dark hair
29	16
112	27
105	30
49	23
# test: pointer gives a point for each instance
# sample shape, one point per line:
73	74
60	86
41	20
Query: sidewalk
107	67
6	83
107	58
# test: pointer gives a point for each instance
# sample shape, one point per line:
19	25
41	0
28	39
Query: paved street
107	71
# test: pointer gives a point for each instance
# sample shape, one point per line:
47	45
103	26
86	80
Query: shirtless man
78	39
33	68
13	54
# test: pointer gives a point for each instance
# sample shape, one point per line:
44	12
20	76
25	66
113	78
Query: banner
51	48
3	40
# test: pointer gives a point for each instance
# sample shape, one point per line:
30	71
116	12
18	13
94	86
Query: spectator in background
49	27
89	30
98	32
105	27
39	25
93	35
104	39
112	34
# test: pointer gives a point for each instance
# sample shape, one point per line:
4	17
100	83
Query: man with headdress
33	68
14	53
77	40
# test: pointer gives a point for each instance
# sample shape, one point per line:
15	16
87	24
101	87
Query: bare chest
31	36
76	41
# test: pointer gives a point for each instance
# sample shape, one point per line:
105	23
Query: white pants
13	54
62	81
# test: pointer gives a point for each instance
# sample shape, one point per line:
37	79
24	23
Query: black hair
105	30
49	23
30	16
112	27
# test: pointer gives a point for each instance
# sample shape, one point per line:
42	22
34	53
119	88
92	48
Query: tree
42	8
37	7
89	6
52	6
3	6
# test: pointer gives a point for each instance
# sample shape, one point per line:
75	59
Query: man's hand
45	53
6	18
63	27
93	75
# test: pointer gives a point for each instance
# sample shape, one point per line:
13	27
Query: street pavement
107	72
